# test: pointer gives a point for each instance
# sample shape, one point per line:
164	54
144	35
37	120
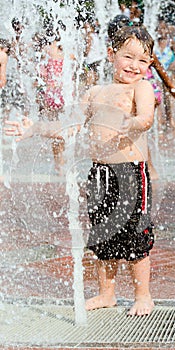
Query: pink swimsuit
53	78
157	90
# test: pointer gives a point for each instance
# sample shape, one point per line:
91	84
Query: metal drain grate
53	325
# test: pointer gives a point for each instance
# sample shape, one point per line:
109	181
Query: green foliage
126	2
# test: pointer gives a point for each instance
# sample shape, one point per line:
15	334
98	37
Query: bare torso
108	106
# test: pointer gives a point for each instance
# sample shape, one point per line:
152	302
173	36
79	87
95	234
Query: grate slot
117	322
159	326
102	319
134	329
150	327
168	333
131	325
120	326
141	330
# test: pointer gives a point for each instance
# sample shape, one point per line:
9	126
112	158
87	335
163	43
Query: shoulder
91	93
94	89
144	93
143	85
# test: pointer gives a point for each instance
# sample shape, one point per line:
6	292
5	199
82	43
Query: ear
151	61
110	54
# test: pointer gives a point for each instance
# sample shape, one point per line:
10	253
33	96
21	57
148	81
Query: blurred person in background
124	10
135	12
165	53
93	53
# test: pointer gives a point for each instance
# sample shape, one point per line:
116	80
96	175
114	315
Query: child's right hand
15	128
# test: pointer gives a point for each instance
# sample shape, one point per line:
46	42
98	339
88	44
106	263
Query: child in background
135	13
50	94
119	189
93	54
165	54
51	73
124	10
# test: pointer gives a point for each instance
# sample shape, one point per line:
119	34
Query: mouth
131	73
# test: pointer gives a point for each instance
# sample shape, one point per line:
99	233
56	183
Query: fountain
46	209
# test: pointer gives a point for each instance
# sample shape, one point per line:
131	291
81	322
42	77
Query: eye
144	61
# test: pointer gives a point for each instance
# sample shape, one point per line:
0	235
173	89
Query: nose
134	65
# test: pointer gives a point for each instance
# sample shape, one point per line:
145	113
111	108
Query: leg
141	275
106	273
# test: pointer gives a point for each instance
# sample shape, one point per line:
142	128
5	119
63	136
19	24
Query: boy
119	190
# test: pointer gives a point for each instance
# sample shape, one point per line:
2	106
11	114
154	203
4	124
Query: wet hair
16	24
117	23
54	35
5	44
125	33
39	41
93	22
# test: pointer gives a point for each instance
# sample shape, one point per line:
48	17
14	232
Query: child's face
130	62
162	30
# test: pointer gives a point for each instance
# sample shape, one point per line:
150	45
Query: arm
134	125
15	128
3	63
28	129
145	102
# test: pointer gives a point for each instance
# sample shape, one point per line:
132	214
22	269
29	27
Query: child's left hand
125	127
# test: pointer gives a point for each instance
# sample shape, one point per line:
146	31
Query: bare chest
119	97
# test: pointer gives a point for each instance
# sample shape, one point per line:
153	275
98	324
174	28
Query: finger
19	139
18	128
14	123
12	131
9	132
16	131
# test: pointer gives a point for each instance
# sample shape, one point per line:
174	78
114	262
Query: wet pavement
36	265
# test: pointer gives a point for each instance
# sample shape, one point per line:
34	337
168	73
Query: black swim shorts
119	206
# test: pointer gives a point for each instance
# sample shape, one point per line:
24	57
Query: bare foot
100	301
142	306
